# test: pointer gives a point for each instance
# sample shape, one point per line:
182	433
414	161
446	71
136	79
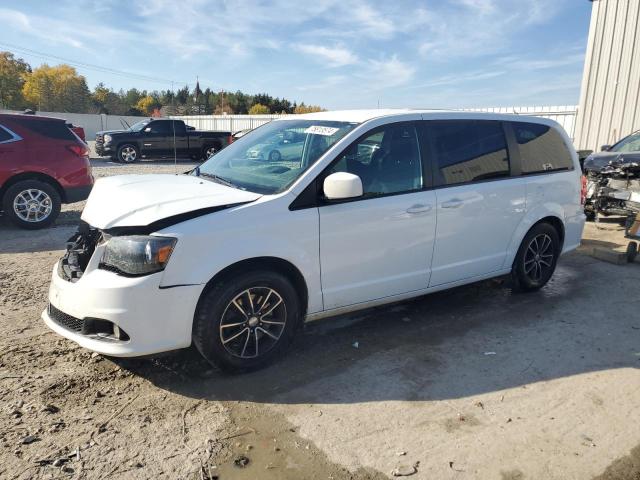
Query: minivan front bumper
155	319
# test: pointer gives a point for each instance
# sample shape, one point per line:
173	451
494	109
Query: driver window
159	128
387	161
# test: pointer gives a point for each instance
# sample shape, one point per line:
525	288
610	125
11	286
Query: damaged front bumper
113	314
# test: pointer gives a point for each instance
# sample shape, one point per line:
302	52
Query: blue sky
335	53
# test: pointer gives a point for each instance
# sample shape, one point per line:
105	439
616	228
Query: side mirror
605	148
342	185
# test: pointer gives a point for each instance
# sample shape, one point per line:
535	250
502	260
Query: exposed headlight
107	138
137	254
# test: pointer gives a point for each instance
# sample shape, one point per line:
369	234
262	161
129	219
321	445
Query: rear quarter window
55	129
5	136
542	148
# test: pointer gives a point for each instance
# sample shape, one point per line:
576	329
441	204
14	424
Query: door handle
455	203
419	208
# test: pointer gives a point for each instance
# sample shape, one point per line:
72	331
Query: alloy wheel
128	154
538	259
253	322
32	205
210	151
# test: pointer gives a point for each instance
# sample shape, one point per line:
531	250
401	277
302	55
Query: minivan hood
140	200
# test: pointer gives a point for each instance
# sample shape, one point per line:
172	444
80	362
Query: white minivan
372	207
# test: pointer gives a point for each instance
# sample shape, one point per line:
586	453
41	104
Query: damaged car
613	179
375	207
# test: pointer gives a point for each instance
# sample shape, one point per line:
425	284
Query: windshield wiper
217	179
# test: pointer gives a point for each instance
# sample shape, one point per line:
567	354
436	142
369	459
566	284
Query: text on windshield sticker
319	130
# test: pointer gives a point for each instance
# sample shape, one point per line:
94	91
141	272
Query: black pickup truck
157	138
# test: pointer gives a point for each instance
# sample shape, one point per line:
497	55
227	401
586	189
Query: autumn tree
147	105
259	109
56	89
302	108
13	72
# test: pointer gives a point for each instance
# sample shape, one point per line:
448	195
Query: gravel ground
470	383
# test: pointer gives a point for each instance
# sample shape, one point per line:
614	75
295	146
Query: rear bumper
573	227
77	194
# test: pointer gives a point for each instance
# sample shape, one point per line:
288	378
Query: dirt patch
625	468
461	420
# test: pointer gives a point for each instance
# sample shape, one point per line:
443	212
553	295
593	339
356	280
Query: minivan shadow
466	341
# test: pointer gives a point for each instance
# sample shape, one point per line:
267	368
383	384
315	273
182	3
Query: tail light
79	150
231	139
583	189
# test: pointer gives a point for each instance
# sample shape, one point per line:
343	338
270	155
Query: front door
378	245
479	203
155	139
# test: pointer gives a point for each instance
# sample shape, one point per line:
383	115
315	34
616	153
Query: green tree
259	109
58	89
105	100
13	73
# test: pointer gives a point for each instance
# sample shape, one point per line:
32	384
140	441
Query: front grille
65	320
99	139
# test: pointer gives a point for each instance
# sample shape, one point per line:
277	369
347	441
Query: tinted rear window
467	151
47	128
180	128
542	148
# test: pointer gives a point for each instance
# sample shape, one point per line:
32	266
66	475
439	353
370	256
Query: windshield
628	144
269	159
136	127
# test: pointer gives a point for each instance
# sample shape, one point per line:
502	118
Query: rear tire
31	204
208	151
247	321
536	259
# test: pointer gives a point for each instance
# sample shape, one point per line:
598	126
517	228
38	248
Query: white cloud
333	56
369	20
388	73
555	60
473	28
457	79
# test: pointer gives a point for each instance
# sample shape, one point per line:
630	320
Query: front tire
31	204
128	153
536	259
275	156
247	321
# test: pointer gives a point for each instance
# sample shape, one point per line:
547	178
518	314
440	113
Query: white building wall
226	123
610	94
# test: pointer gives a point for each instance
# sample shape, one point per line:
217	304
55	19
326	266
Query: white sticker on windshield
319	130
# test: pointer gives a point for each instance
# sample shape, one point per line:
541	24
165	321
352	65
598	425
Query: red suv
42	165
